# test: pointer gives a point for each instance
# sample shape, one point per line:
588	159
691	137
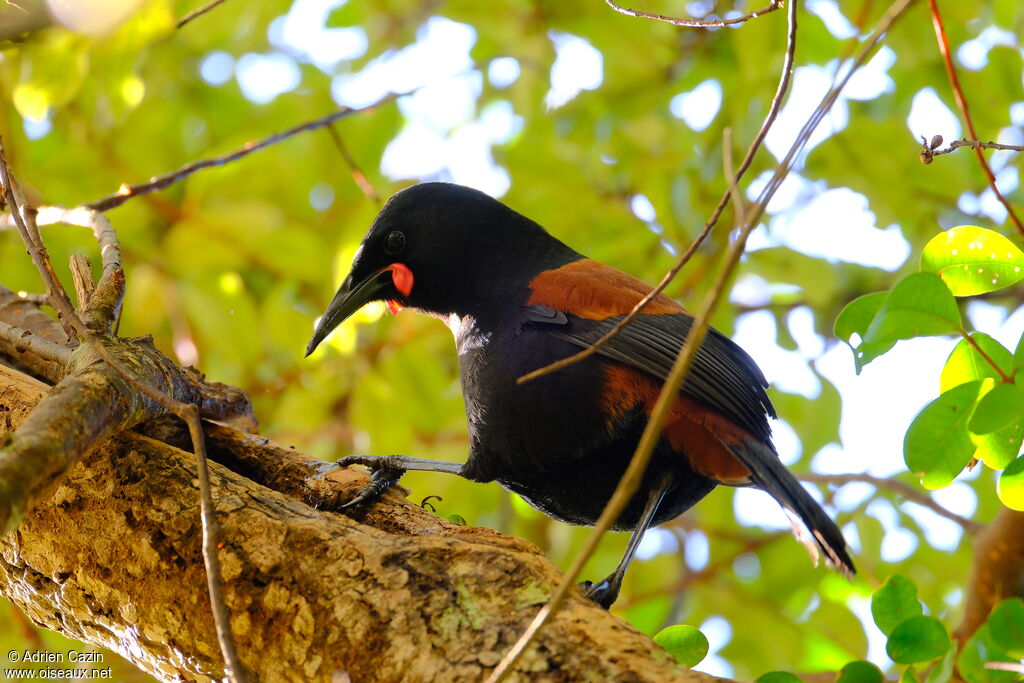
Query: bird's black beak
349	299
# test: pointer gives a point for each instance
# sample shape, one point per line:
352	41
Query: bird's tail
768	473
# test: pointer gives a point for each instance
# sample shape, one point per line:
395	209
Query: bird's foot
602	592
384	471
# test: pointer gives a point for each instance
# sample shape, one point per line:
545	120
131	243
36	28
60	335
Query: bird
517	299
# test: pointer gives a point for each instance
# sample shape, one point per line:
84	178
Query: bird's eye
394	242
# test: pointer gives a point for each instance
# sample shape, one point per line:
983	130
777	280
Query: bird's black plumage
518	299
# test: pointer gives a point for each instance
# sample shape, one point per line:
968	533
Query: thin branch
961	102
23	341
631	478
196	13
773	112
35	299
83	217
906	490
126	192
29	231
24	218
696	23
81	275
929	150
360	179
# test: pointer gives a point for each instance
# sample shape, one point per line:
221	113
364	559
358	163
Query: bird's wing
723	376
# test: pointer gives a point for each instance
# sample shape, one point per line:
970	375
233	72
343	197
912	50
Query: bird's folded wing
723	376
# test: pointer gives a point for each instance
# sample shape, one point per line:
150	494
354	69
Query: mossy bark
113	557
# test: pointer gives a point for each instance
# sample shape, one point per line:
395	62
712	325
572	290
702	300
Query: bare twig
961	102
631	478
36	299
360	179
81	275
196	13
906	490
696	23
22	341
930	150
102	230
773	112
126	192
56	296
24	217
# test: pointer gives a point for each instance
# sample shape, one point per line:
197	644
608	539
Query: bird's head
441	248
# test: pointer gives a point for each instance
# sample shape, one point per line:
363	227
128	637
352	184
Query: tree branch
909	492
996	571
930	149
696	23
36	457
196	13
32	351
961	102
360	179
311	591
126	192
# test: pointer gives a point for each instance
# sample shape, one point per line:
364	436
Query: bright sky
446	137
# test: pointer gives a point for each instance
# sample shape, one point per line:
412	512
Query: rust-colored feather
593	290
698	432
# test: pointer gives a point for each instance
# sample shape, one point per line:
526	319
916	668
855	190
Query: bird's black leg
388	469
605	592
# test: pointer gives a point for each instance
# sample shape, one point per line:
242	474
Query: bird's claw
383	473
601	592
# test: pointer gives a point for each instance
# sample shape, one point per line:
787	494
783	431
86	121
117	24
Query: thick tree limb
87	407
113	558
996	573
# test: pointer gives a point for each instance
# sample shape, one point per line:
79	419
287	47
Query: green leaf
457	519
980	649
920	305
894	602
937	445
997	426
918	639
855	319
998	449
1018	354
860	672
1000	407
965	364
686	643
1011	485
944	670
908	676
777	677
973	260
1006	624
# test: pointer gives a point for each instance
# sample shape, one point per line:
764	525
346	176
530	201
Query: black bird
517	299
